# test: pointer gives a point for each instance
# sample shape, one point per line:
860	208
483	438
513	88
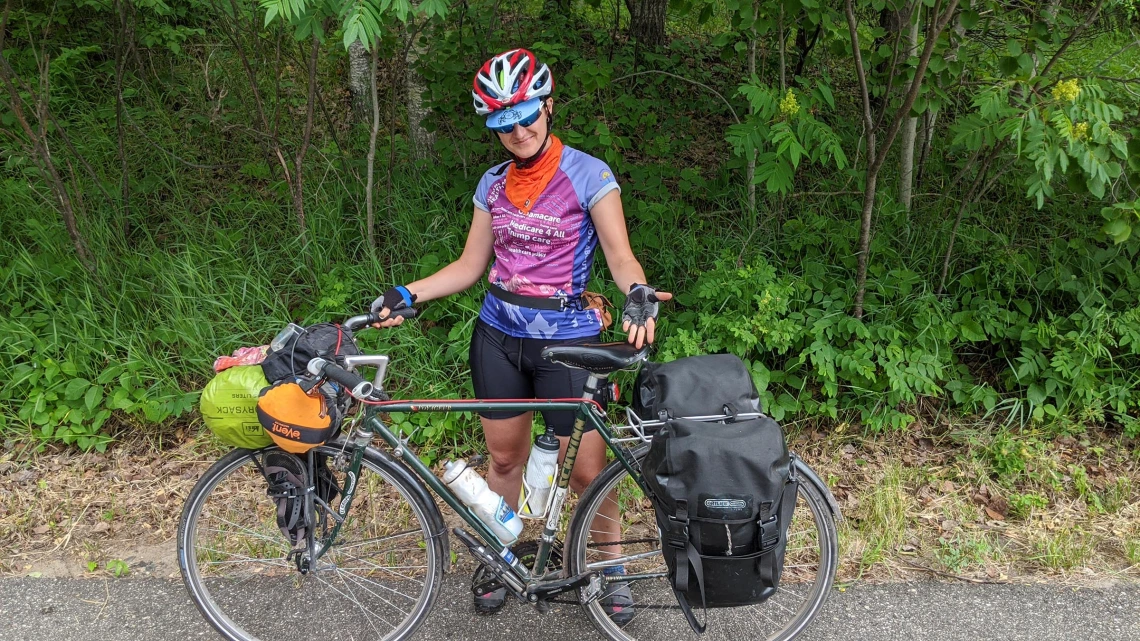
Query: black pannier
724	494
707	385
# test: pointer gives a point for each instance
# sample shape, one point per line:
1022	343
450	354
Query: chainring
484	580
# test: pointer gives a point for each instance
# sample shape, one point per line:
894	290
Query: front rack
641	430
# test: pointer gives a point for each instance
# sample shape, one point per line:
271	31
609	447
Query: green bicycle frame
585	414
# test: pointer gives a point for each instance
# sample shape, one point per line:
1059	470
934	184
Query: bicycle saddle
597	358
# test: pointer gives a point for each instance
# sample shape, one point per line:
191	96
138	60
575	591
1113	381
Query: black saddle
597	358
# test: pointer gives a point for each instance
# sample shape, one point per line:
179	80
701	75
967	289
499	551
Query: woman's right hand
394	299
639	317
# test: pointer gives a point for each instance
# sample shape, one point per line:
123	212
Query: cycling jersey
546	251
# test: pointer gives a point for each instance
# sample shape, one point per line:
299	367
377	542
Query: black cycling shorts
503	366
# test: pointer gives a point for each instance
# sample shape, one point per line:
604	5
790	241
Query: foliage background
215	164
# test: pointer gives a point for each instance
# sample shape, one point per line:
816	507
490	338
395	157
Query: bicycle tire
809	570
380	578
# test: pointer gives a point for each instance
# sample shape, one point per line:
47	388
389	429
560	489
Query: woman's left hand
639	318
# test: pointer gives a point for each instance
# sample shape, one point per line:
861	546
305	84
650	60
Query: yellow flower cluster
789	106
1066	90
1081	130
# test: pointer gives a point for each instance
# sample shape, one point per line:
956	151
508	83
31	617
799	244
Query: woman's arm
461	274
609	220
467	270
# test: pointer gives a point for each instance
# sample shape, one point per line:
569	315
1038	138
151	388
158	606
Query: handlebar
363	320
359	388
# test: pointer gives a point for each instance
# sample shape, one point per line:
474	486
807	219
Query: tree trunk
647	21
931	120
554	7
358	84
126	36
751	173
306	137
783	39
37	142
368	198
910	129
421	142
877	155
972	194
237	37
865	237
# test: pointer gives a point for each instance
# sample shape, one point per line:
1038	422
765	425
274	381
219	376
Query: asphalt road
157	609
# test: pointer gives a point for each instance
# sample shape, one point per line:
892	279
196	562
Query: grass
876	530
908	514
1064	548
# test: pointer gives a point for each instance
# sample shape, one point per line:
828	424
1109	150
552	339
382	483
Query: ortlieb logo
725	504
286	431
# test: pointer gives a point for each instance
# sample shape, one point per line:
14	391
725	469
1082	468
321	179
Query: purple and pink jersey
547	251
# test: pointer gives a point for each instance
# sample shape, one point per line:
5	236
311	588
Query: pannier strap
684	556
768	571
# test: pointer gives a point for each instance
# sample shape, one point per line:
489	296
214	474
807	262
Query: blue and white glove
394	299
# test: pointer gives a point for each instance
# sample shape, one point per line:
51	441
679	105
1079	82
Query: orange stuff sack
296	421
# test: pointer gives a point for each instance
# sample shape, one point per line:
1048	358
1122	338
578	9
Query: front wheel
377	581
614	525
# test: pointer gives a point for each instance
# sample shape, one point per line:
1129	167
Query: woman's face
524	142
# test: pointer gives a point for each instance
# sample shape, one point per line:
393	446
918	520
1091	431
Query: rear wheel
378	581
809	567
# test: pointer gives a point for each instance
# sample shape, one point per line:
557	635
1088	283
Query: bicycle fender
416	484
813	478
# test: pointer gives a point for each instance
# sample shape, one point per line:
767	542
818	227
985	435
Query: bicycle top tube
599	359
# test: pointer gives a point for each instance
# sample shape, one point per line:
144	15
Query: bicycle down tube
584	415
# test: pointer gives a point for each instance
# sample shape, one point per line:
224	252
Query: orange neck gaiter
525	185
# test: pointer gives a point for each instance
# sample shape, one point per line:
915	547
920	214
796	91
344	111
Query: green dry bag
229	406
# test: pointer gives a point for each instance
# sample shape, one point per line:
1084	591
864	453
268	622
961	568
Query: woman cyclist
540	217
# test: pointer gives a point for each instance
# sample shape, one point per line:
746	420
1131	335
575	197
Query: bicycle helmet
510	79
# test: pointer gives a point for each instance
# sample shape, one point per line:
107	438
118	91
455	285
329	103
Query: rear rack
637	429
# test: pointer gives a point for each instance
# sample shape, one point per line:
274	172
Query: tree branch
933	30
1073	36
868	118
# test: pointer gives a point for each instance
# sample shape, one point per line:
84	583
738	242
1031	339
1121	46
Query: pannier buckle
769	534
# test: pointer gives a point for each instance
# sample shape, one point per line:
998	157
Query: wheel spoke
383	567
810	555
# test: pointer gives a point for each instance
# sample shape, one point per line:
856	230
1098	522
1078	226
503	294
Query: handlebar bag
723	495
323	340
708	385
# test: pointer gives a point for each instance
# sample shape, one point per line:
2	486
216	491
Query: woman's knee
582	476
508	441
506	463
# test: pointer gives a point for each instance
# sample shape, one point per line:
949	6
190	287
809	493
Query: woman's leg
495	373
508	441
589	462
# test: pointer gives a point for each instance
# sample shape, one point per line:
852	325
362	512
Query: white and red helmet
509	79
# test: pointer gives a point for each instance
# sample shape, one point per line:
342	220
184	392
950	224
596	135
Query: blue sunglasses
523	122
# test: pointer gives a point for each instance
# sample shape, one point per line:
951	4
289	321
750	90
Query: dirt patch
922	502
62	511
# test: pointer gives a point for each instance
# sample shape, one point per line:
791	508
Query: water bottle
487	505
539	477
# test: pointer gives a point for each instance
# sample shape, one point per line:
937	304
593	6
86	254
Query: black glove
394	299
640	305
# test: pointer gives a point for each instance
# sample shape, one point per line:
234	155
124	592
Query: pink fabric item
241	356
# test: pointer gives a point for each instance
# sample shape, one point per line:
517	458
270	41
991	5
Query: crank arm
493	561
547	589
